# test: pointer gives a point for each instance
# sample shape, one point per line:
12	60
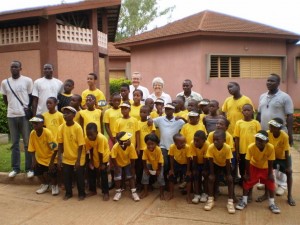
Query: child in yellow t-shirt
41	146
153	161
180	160
75	102
259	159
123	155
65	97
97	144
70	153
244	132
128	124
53	118
136	106
219	156
198	149
110	117
144	130
188	130
91	114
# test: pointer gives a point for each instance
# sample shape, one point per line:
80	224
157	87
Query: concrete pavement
19	204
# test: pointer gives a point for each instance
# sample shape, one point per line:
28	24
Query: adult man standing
17	122
187	92
43	88
136	80
276	103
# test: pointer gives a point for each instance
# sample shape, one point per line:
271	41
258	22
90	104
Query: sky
280	14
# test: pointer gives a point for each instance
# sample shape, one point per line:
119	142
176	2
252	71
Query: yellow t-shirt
259	158
229	139
91	117
200	153
180	155
245	131
180	113
135	111
219	156
123	157
71	137
144	130
100	145
129	125
281	144
154	114
188	131
153	158
53	121
110	116
77	117
233	110
41	146
97	93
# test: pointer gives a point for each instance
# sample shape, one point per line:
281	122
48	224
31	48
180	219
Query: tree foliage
136	15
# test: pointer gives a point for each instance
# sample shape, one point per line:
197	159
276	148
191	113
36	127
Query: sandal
261	198
291	202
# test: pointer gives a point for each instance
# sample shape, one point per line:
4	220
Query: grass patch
5	158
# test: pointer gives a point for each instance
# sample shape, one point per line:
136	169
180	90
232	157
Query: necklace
269	99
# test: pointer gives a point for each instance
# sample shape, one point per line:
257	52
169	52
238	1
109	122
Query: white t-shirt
22	87
143	89
164	96
43	89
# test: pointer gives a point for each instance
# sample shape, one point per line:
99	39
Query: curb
20	179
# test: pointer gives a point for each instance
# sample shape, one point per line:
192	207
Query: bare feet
188	199
143	195
162	197
105	197
171	196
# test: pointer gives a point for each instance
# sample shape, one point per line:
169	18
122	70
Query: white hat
169	106
193	113
275	123
36	119
261	136
125	105
69	108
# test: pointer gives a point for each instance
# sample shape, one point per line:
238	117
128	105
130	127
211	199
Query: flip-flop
291	202
261	198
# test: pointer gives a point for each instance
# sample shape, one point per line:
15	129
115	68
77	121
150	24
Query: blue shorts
128	174
160	177
281	163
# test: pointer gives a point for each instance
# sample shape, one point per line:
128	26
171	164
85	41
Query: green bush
3	117
115	84
296	123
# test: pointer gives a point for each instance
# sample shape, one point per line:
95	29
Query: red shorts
256	175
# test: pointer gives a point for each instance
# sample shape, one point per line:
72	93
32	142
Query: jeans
17	126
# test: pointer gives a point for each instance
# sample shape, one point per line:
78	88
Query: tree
135	15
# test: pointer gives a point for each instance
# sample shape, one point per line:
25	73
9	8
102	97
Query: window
245	66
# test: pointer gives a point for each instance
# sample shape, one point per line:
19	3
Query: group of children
167	142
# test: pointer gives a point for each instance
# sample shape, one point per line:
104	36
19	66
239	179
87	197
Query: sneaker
209	204
274	208
241	205
196	199
43	188
182	185
135	197
203	198
260	186
30	174
279	191
230	207
117	196
12	174
55	190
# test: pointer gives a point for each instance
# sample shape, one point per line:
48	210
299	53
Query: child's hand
77	164
147	171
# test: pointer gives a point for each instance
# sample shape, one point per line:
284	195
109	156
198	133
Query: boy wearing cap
259	160
280	140
189	129
41	146
128	124
70	153
123	155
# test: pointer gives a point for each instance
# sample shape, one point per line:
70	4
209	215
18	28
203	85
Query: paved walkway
19	204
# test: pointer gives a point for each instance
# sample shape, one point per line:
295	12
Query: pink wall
116	63
180	59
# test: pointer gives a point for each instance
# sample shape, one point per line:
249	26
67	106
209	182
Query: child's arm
195	164
247	174
109	133
145	167
115	164
159	167
188	167
237	148
33	159
77	164
51	164
228	167
171	172
132	166
181	118
137	139
102	166
60	151
270	170
101	123
81	122
211	167
288	162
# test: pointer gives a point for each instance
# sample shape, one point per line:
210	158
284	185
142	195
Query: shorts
233	160
127	171
160	177
220	169
198	174
40	170
256	175
179	169
281	164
